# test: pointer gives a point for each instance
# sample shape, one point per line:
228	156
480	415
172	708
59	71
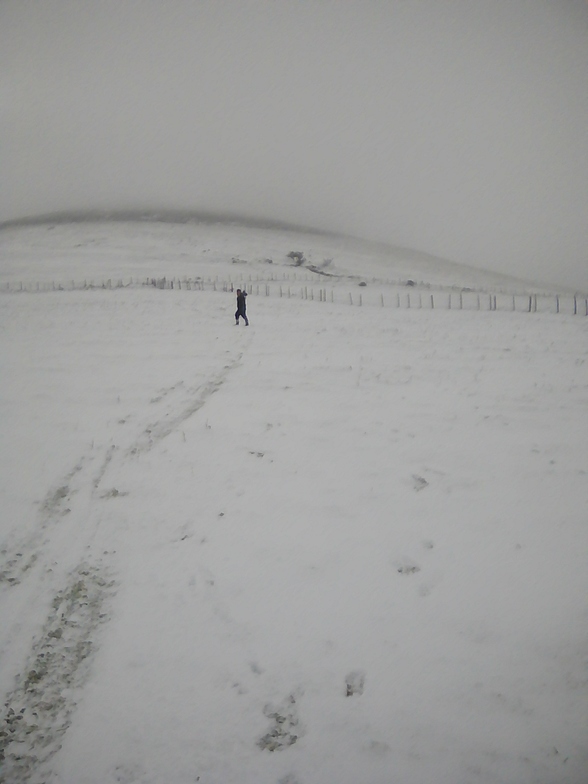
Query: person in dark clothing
241	308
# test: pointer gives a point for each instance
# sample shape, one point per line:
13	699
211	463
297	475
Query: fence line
302	275
410	298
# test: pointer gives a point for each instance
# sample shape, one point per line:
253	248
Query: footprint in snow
285	729
419	482
407	566
354	683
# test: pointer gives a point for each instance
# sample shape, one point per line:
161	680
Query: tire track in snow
163	427
40	707
17	560
70	495
38	711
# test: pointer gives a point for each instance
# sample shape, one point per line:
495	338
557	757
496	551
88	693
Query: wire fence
394	295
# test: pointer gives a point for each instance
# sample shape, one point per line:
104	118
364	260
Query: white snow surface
343	544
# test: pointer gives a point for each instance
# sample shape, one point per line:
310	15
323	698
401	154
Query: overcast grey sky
457	127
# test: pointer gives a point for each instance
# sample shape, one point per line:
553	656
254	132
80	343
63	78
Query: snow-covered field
344	544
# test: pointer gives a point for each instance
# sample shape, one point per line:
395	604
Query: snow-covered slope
342	544
102	249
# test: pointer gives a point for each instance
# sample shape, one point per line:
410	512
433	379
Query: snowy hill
344	544
154	247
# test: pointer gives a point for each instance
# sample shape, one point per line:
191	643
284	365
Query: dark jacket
241	302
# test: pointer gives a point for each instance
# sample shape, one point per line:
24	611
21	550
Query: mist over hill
163	215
